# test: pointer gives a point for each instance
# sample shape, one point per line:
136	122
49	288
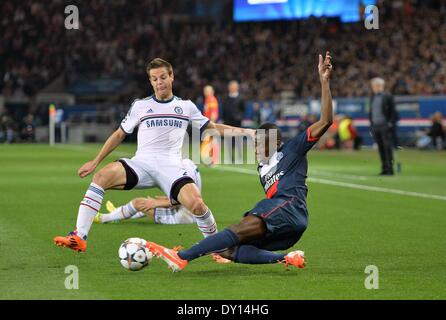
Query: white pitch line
338	175
348	185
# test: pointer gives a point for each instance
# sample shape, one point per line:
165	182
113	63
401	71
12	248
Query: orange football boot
295	258
170	256
71	241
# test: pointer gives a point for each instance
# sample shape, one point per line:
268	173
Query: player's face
162	82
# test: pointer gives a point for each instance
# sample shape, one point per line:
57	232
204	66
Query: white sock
206	224
138	215
90	206
120	213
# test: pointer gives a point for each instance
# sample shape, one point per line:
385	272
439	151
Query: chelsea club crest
178	110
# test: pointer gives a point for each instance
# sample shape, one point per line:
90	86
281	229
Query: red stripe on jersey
309	138
272	190
165	115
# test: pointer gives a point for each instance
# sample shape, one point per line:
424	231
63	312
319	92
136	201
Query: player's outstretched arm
112	142
318	129
225	130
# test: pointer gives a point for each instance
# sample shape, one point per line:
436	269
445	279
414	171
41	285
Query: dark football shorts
285	219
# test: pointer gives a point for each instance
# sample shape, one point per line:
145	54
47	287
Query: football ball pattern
134	255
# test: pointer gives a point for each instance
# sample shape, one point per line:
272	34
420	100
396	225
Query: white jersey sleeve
196	117
131	120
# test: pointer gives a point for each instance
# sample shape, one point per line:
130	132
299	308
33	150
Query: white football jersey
161	125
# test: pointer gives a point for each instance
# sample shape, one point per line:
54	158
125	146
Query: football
134	255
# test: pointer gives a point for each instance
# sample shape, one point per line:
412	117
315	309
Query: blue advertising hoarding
261	10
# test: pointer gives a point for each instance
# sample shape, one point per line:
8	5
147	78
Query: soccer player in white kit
162	120
160	209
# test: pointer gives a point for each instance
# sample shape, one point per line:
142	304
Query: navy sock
253	255
222	240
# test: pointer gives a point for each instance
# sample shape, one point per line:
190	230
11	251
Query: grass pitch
350	227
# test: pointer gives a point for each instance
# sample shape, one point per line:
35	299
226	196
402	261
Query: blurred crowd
14	131
118	37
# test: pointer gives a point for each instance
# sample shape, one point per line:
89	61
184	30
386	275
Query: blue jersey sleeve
302	143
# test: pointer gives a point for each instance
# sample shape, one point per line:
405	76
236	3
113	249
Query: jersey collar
161	101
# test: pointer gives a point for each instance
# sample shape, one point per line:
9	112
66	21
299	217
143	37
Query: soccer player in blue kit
277	222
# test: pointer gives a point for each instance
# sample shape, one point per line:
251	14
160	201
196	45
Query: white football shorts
163	174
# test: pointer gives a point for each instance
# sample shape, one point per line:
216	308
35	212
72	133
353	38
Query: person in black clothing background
233	110
383	118
437	131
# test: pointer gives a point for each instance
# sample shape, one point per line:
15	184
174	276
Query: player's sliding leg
138	215
111	176
248	254
251	228
173	215
132	210
190	197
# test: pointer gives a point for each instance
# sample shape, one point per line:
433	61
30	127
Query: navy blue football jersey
285	174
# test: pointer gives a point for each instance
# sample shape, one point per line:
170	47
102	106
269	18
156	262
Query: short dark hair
271	126
159	63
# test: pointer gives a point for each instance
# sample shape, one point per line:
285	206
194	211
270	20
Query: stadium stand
111	48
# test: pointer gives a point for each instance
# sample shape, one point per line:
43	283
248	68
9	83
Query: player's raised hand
87	169
325	67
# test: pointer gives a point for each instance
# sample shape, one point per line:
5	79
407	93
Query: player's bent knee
101	178
250	228
198	206
110	176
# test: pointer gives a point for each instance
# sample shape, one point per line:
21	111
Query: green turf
404	236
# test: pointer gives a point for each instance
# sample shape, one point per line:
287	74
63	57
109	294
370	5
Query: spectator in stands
267	113
27	129
210	110
348	135
2	125
256	116
437	131
209	148
383	117
37	49
233	110
330	140
7	128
